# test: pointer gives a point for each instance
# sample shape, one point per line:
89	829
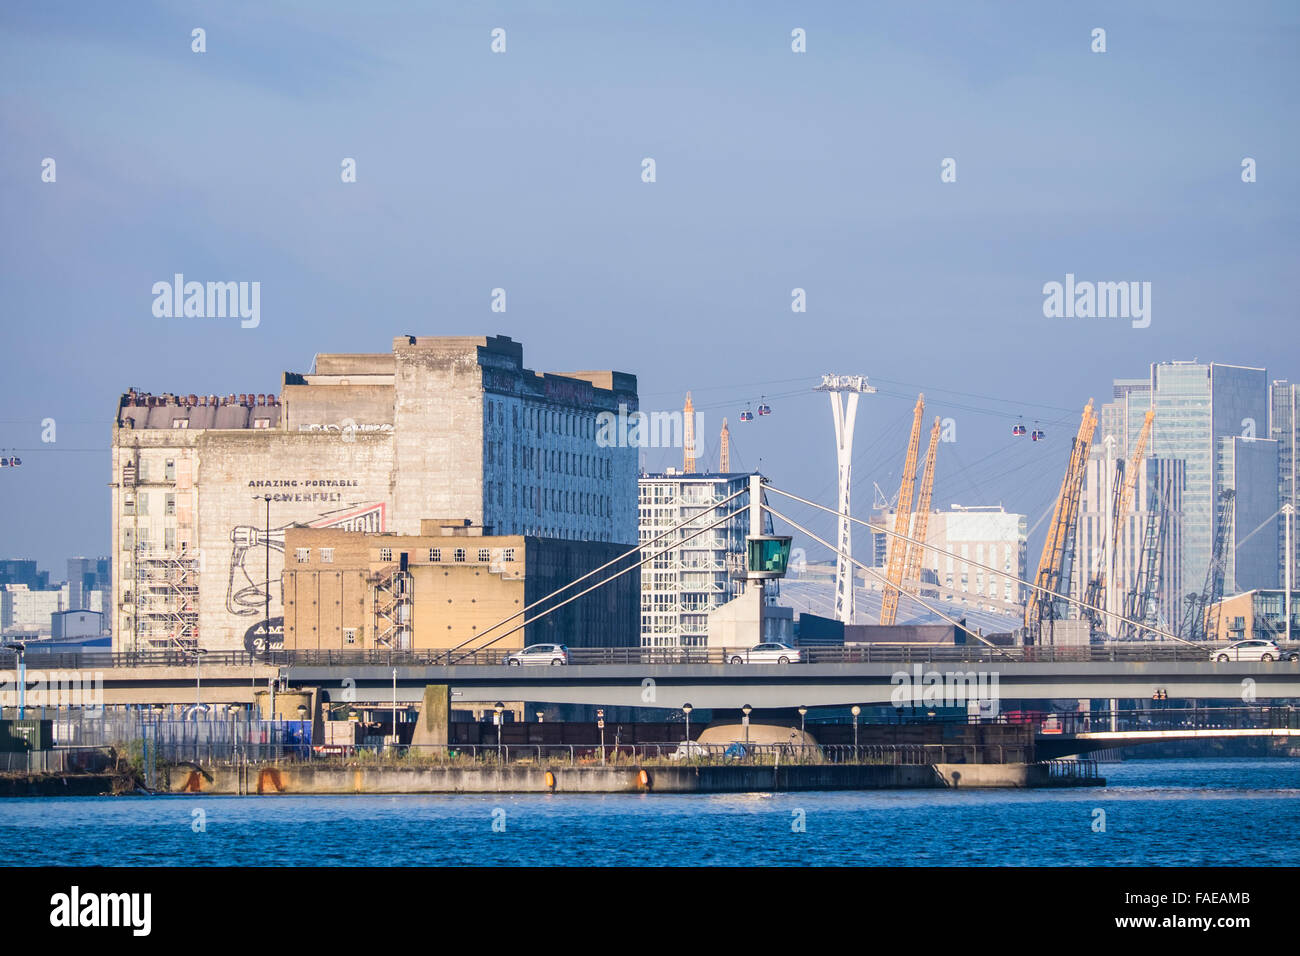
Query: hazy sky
522	170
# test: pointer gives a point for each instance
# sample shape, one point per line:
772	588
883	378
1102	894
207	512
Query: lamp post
855	710
803	736
600	723
686	709
500	709
746	711
394	708
302	718
20	648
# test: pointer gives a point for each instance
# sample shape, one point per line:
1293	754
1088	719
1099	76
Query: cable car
1038	435
1018	429
747	416
764	408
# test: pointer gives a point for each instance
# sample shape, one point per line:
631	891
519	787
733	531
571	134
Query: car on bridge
540	654
771	653
1253	651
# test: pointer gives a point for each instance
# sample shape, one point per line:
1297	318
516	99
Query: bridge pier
432	727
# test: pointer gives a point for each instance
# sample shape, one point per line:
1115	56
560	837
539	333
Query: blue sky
775	170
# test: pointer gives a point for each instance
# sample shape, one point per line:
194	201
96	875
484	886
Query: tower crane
1121	500
1060	536
916	546
1204	607
902	520
688	437
724	449
1139	605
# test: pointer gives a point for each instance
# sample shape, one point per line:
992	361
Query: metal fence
860	654
64	760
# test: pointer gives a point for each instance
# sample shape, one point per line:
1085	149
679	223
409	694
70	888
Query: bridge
636	677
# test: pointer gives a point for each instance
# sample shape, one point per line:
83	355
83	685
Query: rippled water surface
1157	812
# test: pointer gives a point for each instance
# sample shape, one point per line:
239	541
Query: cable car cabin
1017	430
747	416
766	556
764	408
1038	435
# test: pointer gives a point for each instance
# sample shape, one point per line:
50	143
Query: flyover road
775	686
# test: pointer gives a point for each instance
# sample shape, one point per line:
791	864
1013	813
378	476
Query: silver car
770	653
1251	651
540	654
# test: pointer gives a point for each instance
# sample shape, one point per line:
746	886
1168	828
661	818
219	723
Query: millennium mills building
370	456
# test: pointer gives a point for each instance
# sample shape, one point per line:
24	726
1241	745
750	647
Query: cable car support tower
844	413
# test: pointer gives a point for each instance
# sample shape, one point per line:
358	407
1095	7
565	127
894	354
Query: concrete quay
308	779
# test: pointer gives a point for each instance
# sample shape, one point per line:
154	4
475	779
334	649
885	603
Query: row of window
459	555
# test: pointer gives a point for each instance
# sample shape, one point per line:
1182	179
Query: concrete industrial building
363	442
989	535
681	588
446	587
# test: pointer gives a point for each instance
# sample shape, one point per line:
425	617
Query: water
1158	812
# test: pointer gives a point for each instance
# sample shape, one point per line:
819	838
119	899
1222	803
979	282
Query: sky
522	170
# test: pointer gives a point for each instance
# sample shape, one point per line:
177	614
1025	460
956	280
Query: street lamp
539	715
302	717
20	648
500	709
746	710
803	737
855	710
600	722
686	709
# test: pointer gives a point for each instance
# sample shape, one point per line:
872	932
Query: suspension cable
973	632
625	554
599	584
1047	591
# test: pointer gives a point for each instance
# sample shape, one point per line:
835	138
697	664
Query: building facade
1149	542
451	586
1197	405
1254	615
205	488
988	535
679	589
1284	428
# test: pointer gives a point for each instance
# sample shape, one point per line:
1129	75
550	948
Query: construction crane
724	450
1139	605
1203	608
916	546
902	520
1041	606
688	437
1125	486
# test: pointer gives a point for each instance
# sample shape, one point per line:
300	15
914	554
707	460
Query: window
128	505
435	554
169	505
349	635
142	504
169	538
508	554
180	423
261	423
484	554
302	555
459	555
169	469
385	554
327	555
128	539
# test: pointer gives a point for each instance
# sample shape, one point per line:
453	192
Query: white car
1251	651
540	654
771	653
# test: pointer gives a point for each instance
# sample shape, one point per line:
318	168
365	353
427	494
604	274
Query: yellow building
353	590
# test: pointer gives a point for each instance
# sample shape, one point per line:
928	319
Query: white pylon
837	386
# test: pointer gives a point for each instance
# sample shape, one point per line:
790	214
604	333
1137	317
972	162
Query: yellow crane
1122	500
1051	566
916	547
688	437
902	520
724	450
